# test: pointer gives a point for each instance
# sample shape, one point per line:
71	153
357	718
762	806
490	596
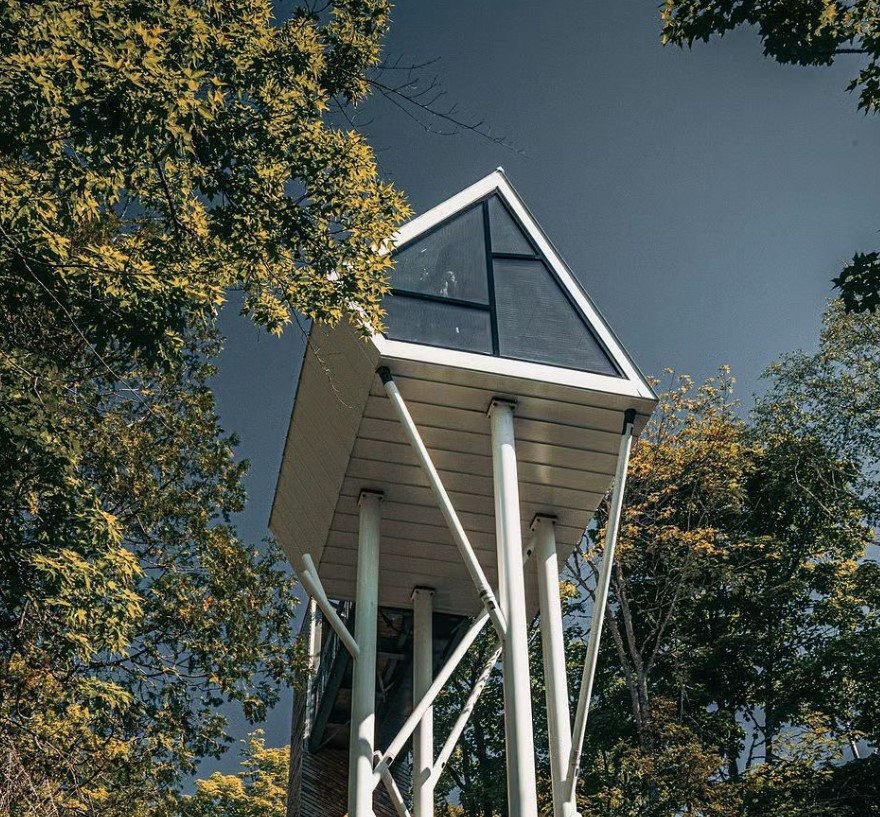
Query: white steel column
363	690
519	738
314	659
553	648
423	677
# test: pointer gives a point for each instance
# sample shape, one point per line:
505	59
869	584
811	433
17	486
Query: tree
647	751
739	667
801	33
131	608
477	766
259	790
154	156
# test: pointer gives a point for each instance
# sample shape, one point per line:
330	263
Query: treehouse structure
433	478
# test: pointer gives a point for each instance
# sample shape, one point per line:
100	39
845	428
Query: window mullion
490	273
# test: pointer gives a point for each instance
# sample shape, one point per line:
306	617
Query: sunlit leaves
259	790
155	155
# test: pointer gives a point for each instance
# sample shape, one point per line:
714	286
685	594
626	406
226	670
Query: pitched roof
476	282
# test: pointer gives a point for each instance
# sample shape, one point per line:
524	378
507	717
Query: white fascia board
460	201
489	364
633	381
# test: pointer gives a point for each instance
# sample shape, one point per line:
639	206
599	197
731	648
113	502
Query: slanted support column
600	602
487	597
423	677
363	691
519	738
553	648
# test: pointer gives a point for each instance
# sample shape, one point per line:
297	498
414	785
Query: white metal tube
428	698
599	604
394	794
519	738
314	657
553	651
458	533
363	690
423	675
308	576
462	720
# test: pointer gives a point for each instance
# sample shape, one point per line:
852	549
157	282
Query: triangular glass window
538	322
449	262
507	237
445	294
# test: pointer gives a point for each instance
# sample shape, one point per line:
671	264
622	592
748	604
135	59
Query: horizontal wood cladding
478	399
499	383
345	437
545	431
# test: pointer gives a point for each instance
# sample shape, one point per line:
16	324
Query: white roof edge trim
541	372
497	182
440	212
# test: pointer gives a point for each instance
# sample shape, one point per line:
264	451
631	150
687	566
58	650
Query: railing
332	650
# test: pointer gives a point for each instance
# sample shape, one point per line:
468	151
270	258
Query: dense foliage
801	32
259	790
154	156
740	667
130	606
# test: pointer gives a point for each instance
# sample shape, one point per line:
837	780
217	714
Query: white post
446	672
599	604
423	677
363	690
519	738
555	675
427	700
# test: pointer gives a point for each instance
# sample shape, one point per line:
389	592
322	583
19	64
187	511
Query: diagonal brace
430	696
599	605
461	721
456	528
309	578
394	794
427	700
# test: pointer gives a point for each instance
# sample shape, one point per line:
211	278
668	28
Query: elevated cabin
482	309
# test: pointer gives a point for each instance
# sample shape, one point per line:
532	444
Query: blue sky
704	198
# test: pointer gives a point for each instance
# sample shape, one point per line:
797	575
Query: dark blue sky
704	198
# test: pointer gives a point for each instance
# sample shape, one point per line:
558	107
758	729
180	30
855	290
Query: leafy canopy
259	790
154	156
801	32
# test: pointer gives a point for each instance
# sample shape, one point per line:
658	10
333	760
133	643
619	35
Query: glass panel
437	324
536	321
450	262
507	237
